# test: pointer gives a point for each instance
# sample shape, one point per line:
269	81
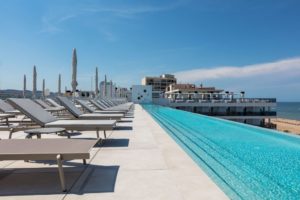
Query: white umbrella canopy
34	82
74	72
59	84
96	82
24	86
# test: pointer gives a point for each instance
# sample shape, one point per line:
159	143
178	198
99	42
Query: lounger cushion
84	124
101	116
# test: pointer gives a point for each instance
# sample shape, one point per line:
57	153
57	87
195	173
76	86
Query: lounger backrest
103	104
32	110
85	106
70	106
110	102
5	107
42	103
97	104
52	102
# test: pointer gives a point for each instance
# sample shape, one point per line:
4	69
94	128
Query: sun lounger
120	107
104	108
53	103
90	109
6	108
49	108
112	108
45	119
47	149
78	114
106	103
115	104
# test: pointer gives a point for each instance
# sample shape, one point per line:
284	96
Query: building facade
107	89
215	102
159	84
180	92
211	101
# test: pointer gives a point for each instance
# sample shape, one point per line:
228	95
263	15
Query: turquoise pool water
247	162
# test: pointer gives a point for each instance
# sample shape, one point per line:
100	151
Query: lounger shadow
43	181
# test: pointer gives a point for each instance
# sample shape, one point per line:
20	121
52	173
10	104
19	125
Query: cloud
54	23
281	68
126	11
109	35
279	79
49	26
67	17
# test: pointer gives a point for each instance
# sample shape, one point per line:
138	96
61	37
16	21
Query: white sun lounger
47	107
78	114
90	109
45	119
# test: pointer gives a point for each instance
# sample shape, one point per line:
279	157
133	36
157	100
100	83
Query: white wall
141	93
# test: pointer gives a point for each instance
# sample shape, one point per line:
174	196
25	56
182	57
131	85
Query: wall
141	93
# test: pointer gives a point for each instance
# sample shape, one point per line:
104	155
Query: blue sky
198	40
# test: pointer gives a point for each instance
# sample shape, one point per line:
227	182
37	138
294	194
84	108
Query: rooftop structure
174	91
211	101
215	102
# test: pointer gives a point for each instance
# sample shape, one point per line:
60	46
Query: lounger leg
97	133
104	134
61	173
29	136
68	134
11	131
84	161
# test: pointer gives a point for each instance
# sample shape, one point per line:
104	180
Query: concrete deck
138	161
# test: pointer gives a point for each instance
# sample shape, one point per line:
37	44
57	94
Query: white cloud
54	22
279	68
127	11
279	79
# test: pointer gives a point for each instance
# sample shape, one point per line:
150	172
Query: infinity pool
246	162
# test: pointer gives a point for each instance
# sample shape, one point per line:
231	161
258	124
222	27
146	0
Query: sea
288	110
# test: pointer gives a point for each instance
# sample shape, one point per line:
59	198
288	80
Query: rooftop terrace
138	161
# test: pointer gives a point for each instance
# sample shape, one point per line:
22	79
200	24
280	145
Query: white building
142	93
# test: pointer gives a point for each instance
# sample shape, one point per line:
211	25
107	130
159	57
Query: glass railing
271	113
239	100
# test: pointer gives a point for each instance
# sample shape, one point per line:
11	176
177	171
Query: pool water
245	161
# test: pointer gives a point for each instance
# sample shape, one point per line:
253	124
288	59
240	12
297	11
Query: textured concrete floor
138	161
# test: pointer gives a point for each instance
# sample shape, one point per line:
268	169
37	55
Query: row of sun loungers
79	114
39	113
